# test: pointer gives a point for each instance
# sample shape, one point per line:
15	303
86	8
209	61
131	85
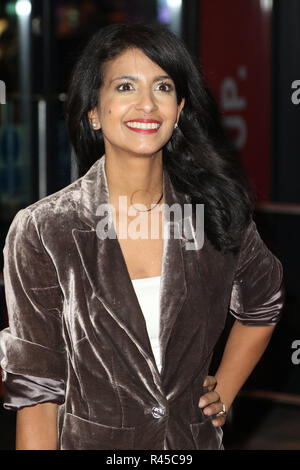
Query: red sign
235	44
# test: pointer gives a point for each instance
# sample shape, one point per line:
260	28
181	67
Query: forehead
131	62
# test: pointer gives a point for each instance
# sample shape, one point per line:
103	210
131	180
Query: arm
32	349
244	347
37	427
243	350
256	303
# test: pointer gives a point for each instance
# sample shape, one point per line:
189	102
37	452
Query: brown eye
165	87
125	87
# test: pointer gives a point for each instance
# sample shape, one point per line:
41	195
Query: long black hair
198	157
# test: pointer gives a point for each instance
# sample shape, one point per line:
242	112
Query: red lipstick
143	126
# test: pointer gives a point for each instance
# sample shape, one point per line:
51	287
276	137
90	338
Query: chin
145	151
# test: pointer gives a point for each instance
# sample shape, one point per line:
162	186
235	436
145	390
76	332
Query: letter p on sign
2	92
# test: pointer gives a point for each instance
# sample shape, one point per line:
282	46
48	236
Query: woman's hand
211	402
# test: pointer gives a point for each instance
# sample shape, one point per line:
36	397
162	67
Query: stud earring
175	125
94	124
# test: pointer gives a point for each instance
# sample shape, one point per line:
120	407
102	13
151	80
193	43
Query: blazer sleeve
32	351
257	295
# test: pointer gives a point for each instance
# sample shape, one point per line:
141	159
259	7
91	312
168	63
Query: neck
140	178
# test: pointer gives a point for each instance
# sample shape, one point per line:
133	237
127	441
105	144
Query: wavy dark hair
198	157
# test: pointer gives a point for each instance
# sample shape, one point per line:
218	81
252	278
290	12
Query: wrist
224	397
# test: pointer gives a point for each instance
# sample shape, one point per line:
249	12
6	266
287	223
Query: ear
180	107
94	119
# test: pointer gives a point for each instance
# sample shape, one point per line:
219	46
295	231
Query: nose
146	101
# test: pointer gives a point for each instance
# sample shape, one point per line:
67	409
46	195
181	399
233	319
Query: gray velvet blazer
77	335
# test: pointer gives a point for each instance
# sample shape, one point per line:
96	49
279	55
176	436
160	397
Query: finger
208	398
213	409
220	421
210	382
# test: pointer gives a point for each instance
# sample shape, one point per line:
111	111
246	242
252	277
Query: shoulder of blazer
63	205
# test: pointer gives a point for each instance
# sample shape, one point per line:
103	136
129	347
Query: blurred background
250	54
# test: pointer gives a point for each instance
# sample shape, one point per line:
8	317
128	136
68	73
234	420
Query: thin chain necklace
147	210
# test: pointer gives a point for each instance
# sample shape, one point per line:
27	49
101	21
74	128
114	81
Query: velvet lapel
107	272
173	289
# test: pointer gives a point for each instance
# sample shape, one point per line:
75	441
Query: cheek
113	111
169	108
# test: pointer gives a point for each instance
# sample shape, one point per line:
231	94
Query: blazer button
158	412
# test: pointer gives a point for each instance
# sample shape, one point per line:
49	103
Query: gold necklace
147	210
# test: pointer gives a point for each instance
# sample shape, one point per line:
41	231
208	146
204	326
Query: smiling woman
136	99
113	333
136	112
197	154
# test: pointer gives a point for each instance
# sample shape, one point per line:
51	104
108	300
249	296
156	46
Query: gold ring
223	412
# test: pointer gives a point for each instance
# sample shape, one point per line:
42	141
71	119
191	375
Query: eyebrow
135	79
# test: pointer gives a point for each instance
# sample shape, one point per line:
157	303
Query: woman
113	333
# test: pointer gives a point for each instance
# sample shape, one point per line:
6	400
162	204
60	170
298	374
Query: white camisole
147	291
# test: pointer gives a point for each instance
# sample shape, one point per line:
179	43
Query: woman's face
137	106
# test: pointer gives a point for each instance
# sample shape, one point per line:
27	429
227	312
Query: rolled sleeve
257	296
32	348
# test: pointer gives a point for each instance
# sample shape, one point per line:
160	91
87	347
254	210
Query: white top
147	291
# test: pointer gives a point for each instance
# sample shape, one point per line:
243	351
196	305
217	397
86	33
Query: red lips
143	121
